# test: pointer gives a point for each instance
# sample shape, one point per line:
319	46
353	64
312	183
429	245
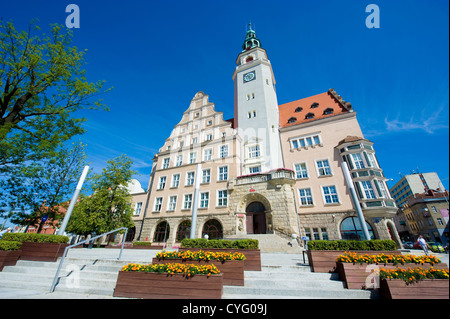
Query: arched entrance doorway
162	232
256	218
184	230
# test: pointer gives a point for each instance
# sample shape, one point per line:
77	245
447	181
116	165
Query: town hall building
272	169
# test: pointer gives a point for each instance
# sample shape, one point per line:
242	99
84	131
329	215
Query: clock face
249	76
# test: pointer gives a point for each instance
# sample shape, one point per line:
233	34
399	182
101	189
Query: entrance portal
256	218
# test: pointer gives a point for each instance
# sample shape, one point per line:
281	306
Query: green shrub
374	244
9	245
142	243
36	238
220	243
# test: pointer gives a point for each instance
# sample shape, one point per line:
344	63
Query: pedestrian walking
423	244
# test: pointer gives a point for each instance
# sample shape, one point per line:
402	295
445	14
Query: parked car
408	244
436	247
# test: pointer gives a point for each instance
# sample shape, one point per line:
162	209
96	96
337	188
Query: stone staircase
271	243
286	277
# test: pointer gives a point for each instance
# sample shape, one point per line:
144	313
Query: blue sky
158	54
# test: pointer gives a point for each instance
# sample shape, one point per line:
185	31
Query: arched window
184	230
162	232
351	229
250	58
213	229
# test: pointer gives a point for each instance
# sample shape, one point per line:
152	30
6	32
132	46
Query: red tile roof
312	108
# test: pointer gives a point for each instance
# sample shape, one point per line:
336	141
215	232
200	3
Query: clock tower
256	108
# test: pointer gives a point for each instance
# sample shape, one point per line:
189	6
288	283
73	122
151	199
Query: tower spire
251	41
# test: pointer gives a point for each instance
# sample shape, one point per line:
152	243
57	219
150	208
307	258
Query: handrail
55	280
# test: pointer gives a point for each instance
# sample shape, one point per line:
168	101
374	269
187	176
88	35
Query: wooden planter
42	251
252	261
9	257
157	247
163	286
325	260
354	275
424	289
232	270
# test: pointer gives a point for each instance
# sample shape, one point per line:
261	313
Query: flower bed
169	281
39	247
356	269
248	247
9	253
414	283
231	265
322	254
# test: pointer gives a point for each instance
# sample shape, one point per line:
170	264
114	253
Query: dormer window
292	120
299	109
314	105
309	116
328	111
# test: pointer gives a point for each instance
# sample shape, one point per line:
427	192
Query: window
223	151
209	137
204	200
316	234
292	120
305	196
382	189
308	140
190	177
138	208
192	157
433	209
330	194
187	202
223	173
194	139
299	109
172	203
324	233
222	198
308	233
370	159
175	180
249	115
351	229
206	176
166	163
368	190
309	116
209	123
179	160
328	111
158	204
197	115
253	151
440	222
314	105
162	182
357	159
255	169
323	168
300	170
207	154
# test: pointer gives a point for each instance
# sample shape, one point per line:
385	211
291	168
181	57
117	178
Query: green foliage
9	245
142	243
35	238
374	244
42	84
220	243
109	207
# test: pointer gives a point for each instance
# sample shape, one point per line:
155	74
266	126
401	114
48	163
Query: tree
109	207
42	85
43	188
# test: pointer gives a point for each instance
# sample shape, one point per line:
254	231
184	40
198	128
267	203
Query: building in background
272	169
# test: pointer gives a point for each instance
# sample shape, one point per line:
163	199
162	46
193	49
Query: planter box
232	270
42	251
424	289
158	247
9	257
252	261
163	286
325	260
354	275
